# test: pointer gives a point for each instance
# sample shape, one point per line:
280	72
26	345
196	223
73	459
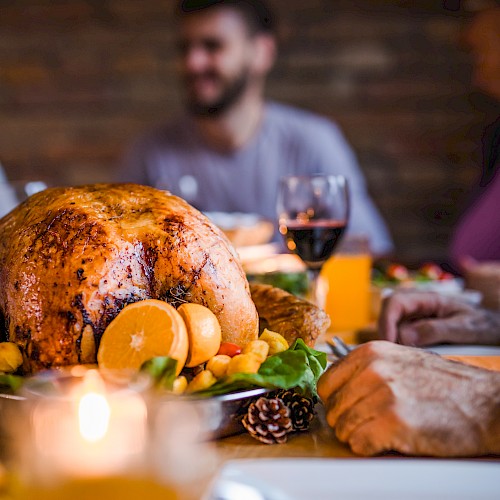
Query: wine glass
313	211
16	191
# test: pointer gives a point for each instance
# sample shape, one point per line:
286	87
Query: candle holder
79	435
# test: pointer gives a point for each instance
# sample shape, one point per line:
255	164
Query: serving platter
221	414
232	408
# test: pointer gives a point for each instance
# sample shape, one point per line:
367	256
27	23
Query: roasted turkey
72	258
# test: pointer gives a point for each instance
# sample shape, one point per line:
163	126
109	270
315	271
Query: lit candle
95	433
93	416
88	439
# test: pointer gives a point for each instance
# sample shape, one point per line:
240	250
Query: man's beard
230	94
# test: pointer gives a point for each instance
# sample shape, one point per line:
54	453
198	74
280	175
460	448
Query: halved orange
203	330
141	331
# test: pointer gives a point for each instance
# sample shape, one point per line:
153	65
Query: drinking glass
14	192
84	434
313	212
348	299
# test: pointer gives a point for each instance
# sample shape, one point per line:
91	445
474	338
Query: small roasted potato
277	343
203	380
244	363
11	357
218	365
258	347
180	385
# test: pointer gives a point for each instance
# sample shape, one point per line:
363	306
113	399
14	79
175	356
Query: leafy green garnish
293	282
11	382
162	371
298	368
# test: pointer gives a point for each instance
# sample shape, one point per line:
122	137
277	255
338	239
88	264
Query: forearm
427	318
384	396
492	415
484	327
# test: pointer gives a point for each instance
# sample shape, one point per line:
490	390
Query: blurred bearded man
231	147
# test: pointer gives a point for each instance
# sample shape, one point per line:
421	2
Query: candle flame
93	408
93	416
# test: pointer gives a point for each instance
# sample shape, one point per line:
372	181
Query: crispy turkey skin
72	258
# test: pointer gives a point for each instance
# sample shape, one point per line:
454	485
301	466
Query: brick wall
79	79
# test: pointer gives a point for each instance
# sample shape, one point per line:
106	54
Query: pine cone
242	410
301	408
268	420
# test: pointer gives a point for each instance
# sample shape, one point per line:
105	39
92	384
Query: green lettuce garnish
11	382
162	370
297	368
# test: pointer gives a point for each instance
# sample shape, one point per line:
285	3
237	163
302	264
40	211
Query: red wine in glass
314	241
313	211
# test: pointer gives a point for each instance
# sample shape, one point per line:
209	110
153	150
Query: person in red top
477	235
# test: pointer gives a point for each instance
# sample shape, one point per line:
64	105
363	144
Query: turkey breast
72	258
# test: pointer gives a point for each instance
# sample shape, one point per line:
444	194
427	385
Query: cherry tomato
229	349
431	271
446	276
397	272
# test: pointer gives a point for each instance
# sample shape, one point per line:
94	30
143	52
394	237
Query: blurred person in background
477	235
229	150
385	397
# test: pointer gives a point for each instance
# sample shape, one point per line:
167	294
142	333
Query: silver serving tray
233	406
221	414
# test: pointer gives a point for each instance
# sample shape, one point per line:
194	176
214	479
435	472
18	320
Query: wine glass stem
316	292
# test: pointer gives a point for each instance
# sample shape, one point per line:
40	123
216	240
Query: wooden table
318	442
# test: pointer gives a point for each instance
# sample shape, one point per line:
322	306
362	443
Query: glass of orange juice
346	276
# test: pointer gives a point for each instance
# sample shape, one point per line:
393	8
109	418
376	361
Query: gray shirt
290	141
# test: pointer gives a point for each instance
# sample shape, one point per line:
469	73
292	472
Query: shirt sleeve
333	155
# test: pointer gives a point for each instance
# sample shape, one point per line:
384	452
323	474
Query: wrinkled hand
424	318
384	396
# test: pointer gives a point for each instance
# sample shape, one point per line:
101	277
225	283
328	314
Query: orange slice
141	331
204	333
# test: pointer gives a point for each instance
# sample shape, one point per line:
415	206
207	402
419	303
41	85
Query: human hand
384	396
425	318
